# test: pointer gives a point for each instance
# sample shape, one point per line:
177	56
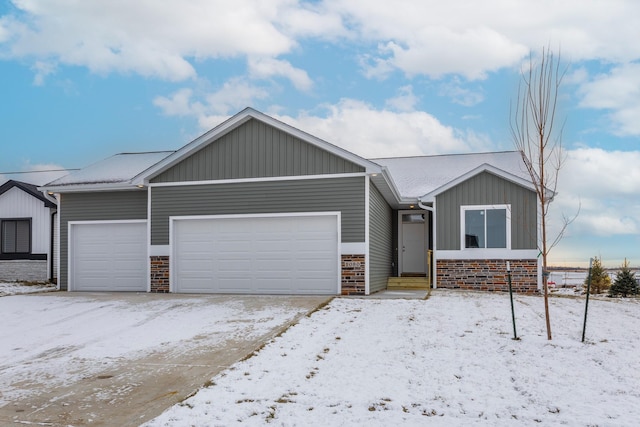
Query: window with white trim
15	235
486	227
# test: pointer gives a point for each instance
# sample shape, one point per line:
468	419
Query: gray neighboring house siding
256	150
96	206
380	241
311	195
487	189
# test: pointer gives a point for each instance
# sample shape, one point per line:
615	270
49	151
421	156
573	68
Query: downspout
434	283
425	207
52	247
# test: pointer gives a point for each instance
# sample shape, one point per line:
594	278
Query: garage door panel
272	255
108	257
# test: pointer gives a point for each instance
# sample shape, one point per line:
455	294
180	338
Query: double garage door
292	254
261	255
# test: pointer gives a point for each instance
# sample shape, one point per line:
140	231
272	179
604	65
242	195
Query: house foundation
159	274
352	274
488	275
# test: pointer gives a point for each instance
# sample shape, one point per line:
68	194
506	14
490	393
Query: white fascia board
485	167
83	188
383	181
237	120
391	183
262	179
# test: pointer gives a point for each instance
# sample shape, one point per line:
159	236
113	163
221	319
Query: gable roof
423	177
30	189
238	120
401	180
115	172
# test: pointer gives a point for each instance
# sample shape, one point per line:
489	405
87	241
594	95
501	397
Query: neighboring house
27	230
257	206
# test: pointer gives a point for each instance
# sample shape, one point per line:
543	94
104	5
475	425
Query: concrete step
408	283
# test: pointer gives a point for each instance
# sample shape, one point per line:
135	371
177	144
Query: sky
82	81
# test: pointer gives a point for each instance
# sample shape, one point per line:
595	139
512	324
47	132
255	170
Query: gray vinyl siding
96	206
313	195
380	241
256	150
487	189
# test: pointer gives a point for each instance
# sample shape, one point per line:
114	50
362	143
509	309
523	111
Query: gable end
487	188
256	150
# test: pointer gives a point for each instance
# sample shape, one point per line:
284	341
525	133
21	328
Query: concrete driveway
104	359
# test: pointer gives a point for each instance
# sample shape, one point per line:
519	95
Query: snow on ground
18	288
54	340
449	360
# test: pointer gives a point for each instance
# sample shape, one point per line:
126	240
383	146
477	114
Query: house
257	206
27	230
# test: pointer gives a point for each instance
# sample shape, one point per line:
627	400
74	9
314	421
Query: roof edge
232	123
485	167
80	188
30	189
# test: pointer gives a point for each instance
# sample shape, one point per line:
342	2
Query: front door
413	243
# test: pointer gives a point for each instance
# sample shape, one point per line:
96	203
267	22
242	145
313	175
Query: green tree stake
513	313
586	307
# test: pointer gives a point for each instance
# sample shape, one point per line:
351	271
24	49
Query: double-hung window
15	236
486	227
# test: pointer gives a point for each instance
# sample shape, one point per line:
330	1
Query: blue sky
82	81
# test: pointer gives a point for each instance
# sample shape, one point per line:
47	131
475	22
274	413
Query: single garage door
261	255
108	256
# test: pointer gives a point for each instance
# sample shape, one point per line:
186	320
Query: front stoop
408	283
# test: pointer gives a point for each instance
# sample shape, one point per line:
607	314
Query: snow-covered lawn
18	288
446	361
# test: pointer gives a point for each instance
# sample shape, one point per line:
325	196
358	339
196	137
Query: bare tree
538	136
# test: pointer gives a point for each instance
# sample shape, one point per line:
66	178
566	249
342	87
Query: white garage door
108	257
262	255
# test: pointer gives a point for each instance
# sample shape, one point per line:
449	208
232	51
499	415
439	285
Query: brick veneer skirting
488	275
159	274
352	275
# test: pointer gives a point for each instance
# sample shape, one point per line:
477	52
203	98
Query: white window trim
465	208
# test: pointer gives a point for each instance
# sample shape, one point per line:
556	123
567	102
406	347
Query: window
16	236
486	227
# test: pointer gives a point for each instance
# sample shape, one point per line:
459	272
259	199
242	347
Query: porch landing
404	283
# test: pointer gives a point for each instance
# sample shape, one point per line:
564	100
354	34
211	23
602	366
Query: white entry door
413	244
287	254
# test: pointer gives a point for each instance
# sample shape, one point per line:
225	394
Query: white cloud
619	92
211	108
313	20
42	70
435	38
405	101
439	51
461	95
368	132
165	39
4	31
605	186
179	104
265	68
147	37
234	95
